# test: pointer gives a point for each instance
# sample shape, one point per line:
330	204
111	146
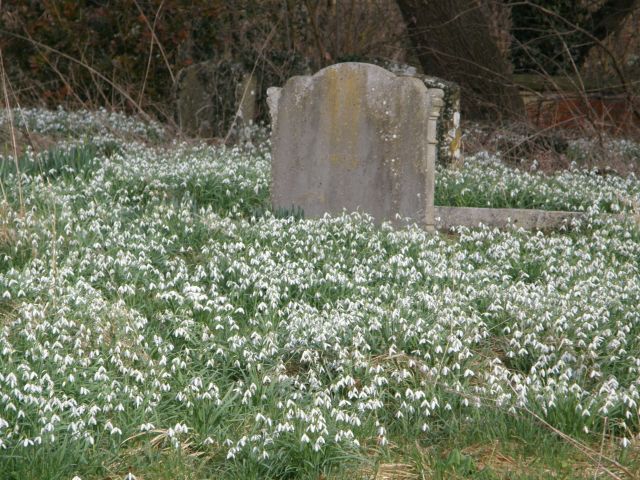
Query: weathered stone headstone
449	133
354	136
220	97
247	99
205	95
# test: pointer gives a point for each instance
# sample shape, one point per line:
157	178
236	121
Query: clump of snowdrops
150	299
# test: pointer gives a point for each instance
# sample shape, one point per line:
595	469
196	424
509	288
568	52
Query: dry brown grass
389	471
492	456
520	145
160	445
7	232
395	471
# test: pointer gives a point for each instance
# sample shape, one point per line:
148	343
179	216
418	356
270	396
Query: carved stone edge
436	102
273	97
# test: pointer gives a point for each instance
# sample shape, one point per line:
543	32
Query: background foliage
137	46
126	53
94	52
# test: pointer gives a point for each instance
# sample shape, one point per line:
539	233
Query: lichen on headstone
449	129
355	136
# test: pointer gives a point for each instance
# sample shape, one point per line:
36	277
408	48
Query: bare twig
604	431
60	75
154	38
253	70
325	56
115	86
152	29
586	450
14	142
582	92
616	66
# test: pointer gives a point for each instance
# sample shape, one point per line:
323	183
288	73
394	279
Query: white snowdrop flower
304	438
11	380
323	290
180	428
317	446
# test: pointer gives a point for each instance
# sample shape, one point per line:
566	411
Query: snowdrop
159	286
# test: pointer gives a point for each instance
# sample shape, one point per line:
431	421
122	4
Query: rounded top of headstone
370	67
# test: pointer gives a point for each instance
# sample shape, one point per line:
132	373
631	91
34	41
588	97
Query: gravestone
355	136
219	97
9	134
247	99
449	133
208	95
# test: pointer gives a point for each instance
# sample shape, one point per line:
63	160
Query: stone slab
356	137
449	217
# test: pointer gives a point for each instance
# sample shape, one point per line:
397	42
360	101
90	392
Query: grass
158	320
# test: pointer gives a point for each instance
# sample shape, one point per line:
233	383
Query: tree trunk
605	21
453	40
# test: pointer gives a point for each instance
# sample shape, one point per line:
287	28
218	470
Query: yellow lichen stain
314	196
344	95
455	143
350	162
